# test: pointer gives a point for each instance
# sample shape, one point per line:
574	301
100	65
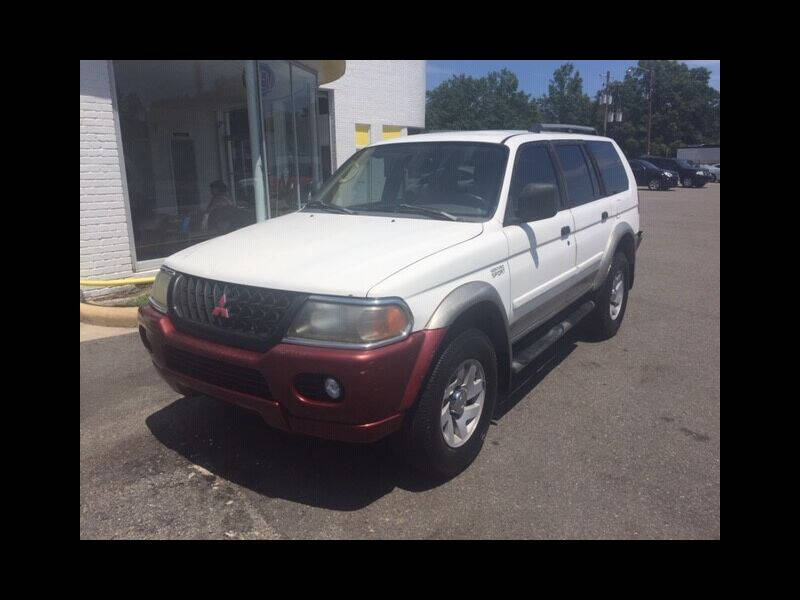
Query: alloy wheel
617	295
462	403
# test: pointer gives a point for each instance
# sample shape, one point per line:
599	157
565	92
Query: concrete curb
109	316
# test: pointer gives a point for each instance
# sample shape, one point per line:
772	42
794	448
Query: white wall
105	245
378	93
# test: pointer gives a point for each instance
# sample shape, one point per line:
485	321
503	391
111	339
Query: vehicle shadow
526	380
235	444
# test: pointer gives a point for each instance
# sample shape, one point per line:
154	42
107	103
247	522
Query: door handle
604	216
565	231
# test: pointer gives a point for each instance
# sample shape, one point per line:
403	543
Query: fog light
332	388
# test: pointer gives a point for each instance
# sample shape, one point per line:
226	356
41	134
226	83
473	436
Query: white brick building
105	240
163	141
377	93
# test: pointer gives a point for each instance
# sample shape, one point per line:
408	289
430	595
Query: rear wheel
446	429
612	299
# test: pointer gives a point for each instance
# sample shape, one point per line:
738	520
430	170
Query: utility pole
605	102
649	108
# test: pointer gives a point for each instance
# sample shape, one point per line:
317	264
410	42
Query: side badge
498	270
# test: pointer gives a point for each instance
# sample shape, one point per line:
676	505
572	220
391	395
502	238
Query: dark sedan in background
690	175
655	178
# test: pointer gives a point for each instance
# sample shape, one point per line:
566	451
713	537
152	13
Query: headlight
348	322
668	174
700	173
158	295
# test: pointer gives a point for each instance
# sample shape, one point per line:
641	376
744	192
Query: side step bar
525	356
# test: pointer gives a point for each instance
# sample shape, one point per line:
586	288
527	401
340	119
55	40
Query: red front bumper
379	385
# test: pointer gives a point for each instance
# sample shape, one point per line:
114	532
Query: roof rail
563	128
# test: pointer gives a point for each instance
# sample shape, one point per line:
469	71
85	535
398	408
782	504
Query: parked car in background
713	169
690	175
655	178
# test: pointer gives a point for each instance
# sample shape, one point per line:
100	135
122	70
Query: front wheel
612	299
654	184
446	429
687	181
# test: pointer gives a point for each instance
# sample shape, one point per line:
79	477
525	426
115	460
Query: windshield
649	165
684	163
448	180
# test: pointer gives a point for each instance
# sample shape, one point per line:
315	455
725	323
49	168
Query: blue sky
534	75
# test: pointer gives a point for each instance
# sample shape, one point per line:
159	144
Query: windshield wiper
427	211
322	205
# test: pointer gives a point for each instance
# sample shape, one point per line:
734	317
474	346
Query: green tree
490	102
565	101
685	108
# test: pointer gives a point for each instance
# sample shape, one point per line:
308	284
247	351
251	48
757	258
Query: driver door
542	254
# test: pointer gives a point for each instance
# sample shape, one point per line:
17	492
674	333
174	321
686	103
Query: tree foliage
565	101
685	108
490	102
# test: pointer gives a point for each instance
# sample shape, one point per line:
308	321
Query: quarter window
580	185
611	170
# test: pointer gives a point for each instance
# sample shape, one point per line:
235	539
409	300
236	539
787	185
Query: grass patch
136	301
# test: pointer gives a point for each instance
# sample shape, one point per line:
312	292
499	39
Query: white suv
410	291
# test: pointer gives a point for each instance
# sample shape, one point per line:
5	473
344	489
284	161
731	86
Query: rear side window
611	170
579	182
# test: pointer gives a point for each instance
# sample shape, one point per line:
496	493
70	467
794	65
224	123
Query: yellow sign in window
389	132
362	135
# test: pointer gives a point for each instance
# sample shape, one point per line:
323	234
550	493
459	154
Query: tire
654	184
687	181
607	318
425	436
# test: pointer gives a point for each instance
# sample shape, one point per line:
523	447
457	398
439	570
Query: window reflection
180	129
188	145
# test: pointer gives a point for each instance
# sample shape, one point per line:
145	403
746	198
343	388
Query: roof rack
563	128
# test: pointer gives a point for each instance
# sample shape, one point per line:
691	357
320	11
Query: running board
525	356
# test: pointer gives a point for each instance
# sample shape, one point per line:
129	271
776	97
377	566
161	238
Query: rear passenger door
591	210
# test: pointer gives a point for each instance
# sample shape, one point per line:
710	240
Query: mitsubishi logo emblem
219	309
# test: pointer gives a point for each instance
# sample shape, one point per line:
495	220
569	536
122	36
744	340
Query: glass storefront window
196	164
304	93
181	134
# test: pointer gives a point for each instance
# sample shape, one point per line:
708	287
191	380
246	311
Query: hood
321	253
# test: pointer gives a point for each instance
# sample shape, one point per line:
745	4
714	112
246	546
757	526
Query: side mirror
537	201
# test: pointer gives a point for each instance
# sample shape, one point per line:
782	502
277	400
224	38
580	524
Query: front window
453	180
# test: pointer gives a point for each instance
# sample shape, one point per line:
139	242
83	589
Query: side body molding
620	230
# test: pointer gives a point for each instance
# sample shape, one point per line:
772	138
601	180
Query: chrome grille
250	317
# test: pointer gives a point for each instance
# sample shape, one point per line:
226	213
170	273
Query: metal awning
328	70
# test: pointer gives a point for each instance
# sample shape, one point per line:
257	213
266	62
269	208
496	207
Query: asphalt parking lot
618	439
